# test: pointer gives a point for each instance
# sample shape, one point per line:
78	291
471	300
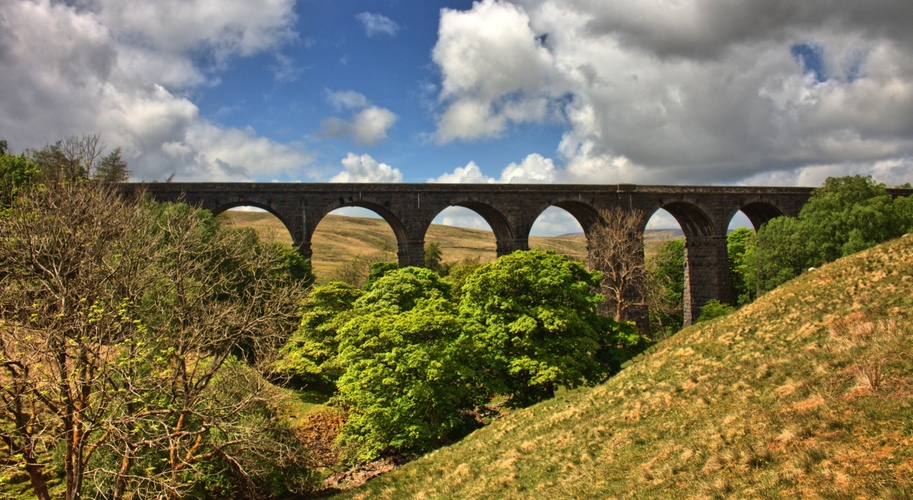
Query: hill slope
807	392
340	239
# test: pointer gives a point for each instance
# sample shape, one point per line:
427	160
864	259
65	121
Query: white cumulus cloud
697	91
121	69
368	124
364	168
534	169
494	69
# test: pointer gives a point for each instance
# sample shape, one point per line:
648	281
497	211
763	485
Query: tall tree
434	256
112	168
616	248
738	248
310	356
536	316
845	215
16	174
410	377
666	288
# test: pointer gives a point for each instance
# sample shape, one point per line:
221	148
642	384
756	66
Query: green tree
295	265
410	378
845	215
310	356
738	245
73	158
780	253
400	289
378	270
459	272
714	309
16	174
666	288
112	168
434	256
536	317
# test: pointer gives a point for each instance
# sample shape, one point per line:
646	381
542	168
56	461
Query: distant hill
808	392
341	239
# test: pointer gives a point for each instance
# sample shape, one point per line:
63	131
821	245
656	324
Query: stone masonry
704	213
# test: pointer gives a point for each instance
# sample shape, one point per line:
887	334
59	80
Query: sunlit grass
341	239
807	392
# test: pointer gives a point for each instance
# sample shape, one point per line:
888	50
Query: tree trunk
35	475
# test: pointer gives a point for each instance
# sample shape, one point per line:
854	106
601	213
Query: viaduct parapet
704	213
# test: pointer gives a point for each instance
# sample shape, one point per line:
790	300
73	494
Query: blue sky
560	91
374	54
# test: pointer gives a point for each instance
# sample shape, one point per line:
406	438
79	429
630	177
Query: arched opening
557	229
269	228
739	240
706	274
739	221
347	241
459	235
757	214
664	258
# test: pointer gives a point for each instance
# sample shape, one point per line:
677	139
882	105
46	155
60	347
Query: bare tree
129	332
84	153
616	247
80	157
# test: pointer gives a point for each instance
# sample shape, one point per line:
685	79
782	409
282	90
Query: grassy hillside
808	392
340	239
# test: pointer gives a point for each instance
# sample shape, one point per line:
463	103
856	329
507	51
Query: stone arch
759	213
693	220
262	206
392	220
585	214
505	236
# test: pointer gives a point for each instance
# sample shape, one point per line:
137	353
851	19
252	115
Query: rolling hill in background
340	239
806	393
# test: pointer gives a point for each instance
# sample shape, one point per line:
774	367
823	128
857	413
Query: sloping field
807	393
341	239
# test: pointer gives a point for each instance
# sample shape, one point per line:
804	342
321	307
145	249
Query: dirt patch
357	476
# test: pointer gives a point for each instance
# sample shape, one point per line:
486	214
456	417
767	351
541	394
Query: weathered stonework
704	213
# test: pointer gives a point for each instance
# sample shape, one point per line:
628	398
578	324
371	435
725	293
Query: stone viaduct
704	213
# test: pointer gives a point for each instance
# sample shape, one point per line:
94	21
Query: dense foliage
409	379
309	358
844	216
666	288
539	326
415	364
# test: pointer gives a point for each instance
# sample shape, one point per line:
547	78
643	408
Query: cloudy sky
773	92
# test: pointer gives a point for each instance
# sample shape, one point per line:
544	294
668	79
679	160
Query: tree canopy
538	323
845	215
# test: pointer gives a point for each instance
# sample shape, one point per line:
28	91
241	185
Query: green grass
808	392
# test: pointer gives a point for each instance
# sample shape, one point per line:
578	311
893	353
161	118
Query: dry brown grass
340	240
807	393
